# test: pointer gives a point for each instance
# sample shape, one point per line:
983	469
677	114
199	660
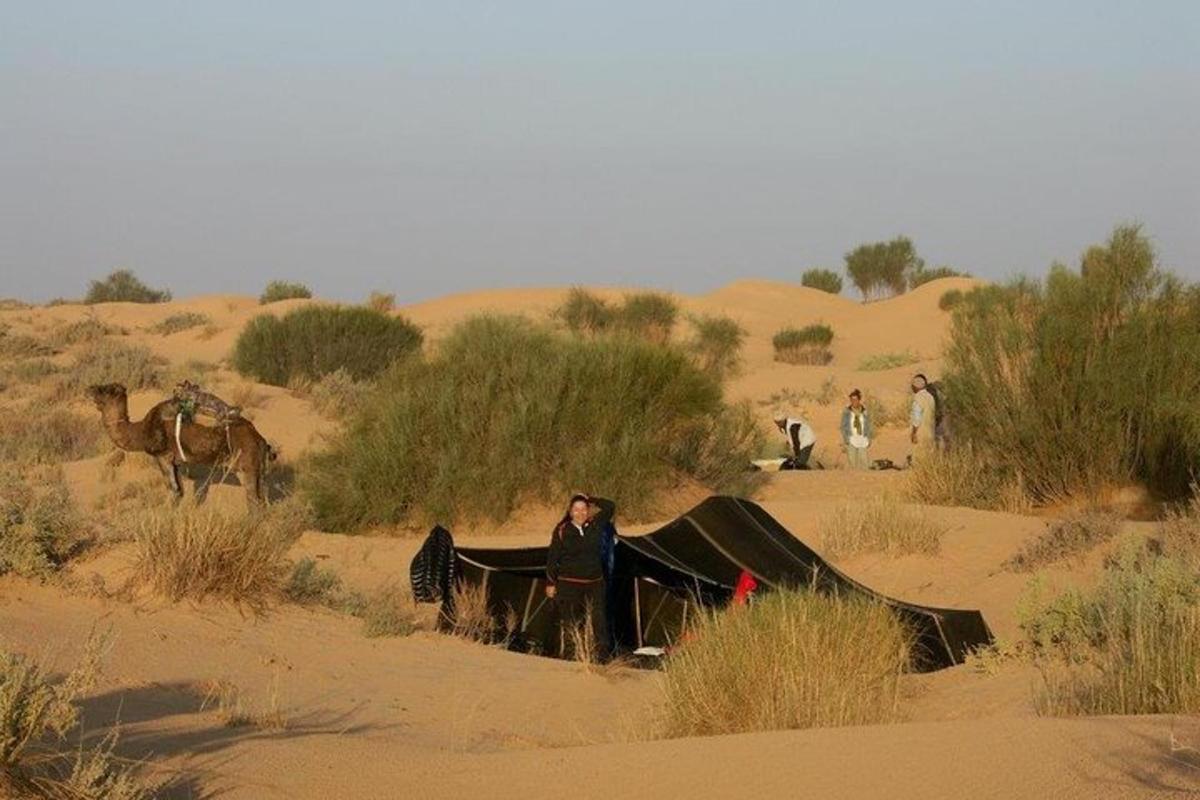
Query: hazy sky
426	148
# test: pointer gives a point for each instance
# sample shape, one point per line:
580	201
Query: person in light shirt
857	432
800	435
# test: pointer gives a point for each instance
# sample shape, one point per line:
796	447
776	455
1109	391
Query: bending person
801	437
575	572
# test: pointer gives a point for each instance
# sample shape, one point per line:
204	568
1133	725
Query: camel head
108	395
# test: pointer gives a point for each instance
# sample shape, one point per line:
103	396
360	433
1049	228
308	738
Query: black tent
660	578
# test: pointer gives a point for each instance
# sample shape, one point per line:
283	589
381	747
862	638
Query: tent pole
637	611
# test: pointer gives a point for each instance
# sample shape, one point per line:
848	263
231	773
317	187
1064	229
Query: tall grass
508	412
283	290
381	301
808	345
648	314
37	433
962	477
201	552
1130	645
825	280
717	343
313	341
1085	380
879	525
122	286
584	312
790	660
40	526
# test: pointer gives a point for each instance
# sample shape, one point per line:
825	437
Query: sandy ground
430	715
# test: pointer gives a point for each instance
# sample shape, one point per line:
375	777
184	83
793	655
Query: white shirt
805	434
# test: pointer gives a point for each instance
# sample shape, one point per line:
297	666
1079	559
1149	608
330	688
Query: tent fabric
661	578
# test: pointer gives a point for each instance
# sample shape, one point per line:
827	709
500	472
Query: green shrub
47	434
584	312
825	280
648	314
1130	645
808	345
1068	538
508	412
309	583
381	301
789	660
310	342
179	322
1084	381
960	477
717	344
283	290
950	299
882	361
879	525
40	526
883	268
122	286
390	611
107	361
923	276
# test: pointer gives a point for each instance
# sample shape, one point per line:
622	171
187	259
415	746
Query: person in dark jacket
575	570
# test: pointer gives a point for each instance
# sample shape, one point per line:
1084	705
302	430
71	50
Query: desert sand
433	716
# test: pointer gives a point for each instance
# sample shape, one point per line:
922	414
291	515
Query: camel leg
170	471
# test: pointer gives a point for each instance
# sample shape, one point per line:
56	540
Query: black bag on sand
432	570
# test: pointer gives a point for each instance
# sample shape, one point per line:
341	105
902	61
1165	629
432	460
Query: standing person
923	420
857	432
575	570
800	435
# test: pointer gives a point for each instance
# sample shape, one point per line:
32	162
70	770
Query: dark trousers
800	460
574	602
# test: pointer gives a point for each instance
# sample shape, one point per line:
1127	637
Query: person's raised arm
607	509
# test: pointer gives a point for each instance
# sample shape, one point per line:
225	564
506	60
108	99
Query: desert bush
13	304
879	525
808	345
790	660
883	268
40	526
717	344
337	394
193	370
1130	645
179	322
882	361
20	345
584	312
113	362
508	412
472	619
825	280
885	416
47	434
122	286
960	477
1083	381
201	552
381	301
647	314
950	299
310	584
30	370
313	341
1068	538
1179	533
283	290
922	276
88	329
390	611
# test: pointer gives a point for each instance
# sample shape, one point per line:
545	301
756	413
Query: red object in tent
745	587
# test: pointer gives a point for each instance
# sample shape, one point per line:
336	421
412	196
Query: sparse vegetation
107	361
923	276
88	329
584	312
1130	645
562	411
202	552
790	660
879	525
1069	538
20	345
960	477
313	341
390	611
38	433
283	290
717	344
1084	381
950	299
883	268
882	361
648	314
182	321
808	345
311	584
825	280
40	526
382	302
122	286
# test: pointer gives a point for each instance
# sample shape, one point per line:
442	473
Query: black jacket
577	556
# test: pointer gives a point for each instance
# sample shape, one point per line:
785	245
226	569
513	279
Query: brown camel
238	443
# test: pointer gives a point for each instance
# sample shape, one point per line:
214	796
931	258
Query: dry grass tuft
200	552
879	525
335	395
959	477
390	611
182	321
83	331
40	526
234	710
47	434
107	361
381	301
789	660
1072	537
248	396
472	619
884	361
